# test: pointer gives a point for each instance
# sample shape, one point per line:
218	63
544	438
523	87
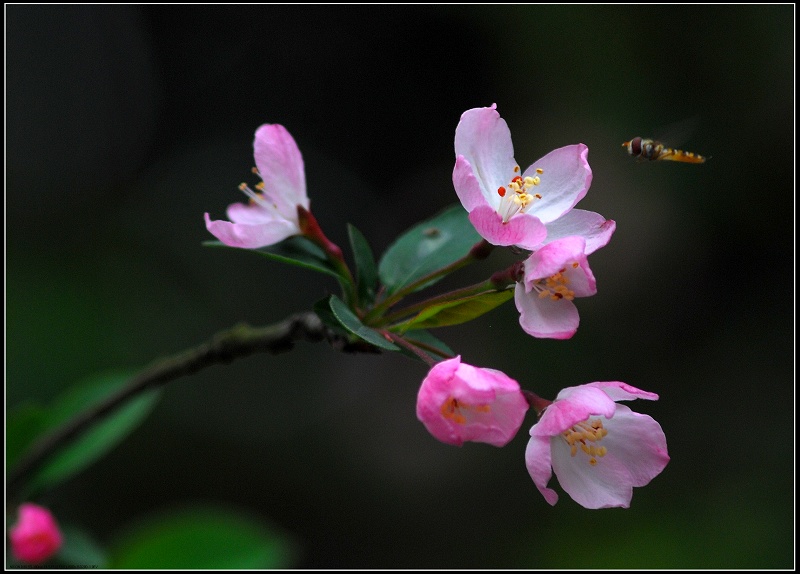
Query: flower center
555	286
458	411
257	197
586	435
515	197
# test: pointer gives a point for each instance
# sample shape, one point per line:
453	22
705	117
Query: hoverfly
653	150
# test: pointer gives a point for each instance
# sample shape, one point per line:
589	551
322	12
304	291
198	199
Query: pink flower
598	449
35	537
271	216
458	402
553	276
512	208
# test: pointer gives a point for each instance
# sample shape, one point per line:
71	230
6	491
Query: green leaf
208	539
458	311
427	247
102	436
322	308
295	250
427	343
366	270
353	324
24	424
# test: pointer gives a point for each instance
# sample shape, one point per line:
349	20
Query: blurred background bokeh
125	124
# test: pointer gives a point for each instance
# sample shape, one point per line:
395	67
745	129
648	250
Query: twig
240	341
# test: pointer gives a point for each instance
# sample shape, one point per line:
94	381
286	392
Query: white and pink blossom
272	213
598	449
508	206
552	278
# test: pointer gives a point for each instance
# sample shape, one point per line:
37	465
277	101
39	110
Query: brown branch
240	341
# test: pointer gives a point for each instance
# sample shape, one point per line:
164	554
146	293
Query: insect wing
677	133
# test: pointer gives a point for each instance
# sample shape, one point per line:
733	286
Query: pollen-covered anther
555	287
519	200
584	436
561	292
452	409
257	197
254	197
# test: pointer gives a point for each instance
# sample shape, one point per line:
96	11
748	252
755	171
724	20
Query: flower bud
35	537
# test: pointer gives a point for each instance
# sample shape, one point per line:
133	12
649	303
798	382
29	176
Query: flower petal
482	384
280	165
572	406
484	140
551	258
251	236
593	227
545	318
432	394
638	442
538	462
561	257
605	485
467	186
523	229
622	391
253	214
565	180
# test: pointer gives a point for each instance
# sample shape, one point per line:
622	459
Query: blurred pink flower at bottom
35	537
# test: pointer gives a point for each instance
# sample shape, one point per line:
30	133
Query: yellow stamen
452	409
556	286
519	200
584	436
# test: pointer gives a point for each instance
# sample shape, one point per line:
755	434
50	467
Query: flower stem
240	341
499	281
426	347
536	402
464	293
413	348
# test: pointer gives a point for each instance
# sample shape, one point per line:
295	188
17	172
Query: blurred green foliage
201	538
30	423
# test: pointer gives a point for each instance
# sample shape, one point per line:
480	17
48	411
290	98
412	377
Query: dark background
126	124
